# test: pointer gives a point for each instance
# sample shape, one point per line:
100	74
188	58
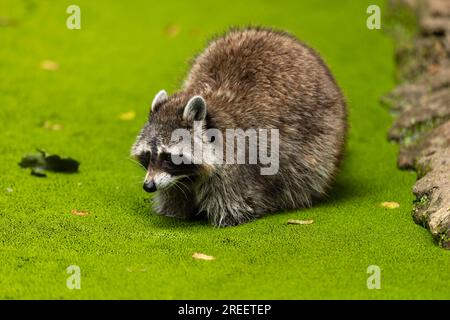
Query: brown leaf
126	116
49	65
80	213
292	221
172	30
49	125
390	205
135	269
7	22
202	256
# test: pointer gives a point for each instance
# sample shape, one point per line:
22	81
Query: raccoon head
155	149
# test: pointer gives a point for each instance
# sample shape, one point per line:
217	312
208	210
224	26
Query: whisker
184	185
176	185
136	162
181	189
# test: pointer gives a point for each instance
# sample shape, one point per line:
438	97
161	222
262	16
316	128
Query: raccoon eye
144	159
167	159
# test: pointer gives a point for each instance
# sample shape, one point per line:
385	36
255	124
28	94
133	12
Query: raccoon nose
150	186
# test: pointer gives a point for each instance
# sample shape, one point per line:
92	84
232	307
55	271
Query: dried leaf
80	213
9	190
49	65
202	256
390	205
49	125
126	116
292	221
172	30
7	22
133	269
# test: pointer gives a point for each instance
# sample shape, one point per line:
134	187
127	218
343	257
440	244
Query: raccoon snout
150	186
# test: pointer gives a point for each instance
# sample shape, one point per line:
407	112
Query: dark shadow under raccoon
248	78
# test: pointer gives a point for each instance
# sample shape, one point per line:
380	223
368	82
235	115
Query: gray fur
254	78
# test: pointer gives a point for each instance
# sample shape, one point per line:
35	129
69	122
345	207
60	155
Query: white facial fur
139	148
163	180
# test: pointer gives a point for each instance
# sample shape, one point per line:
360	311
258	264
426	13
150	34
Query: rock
438	8
434	186
429	144
446	44
438	26
412	4
427	111
408	93
425	57
423	124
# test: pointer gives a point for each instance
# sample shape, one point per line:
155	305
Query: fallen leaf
126	116
172	30
41	162
292	221
6	22
132	269
390	205
53	126
9	190
202	256
80	213
49	65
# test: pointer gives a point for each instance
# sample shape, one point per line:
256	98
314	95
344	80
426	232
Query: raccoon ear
160	97
195	109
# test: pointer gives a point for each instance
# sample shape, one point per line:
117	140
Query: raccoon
247	78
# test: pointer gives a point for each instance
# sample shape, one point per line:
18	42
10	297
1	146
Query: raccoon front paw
230	221
173	209
169	214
